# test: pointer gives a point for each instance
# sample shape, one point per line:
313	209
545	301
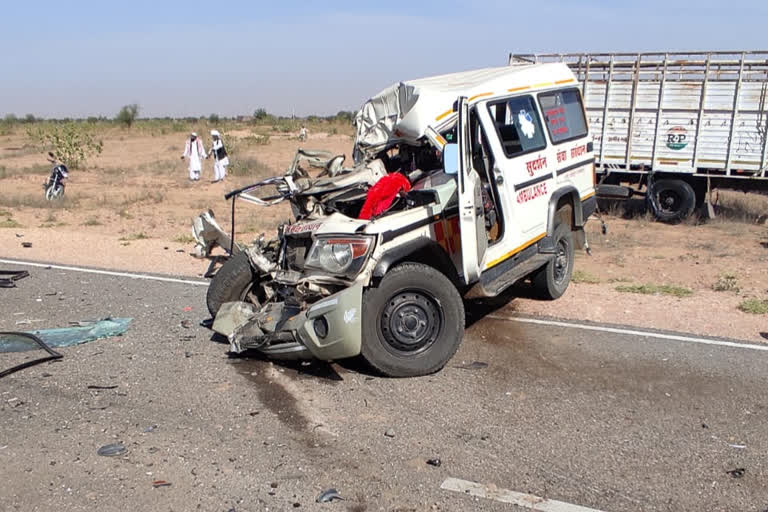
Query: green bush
71	143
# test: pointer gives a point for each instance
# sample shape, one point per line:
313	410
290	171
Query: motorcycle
54	186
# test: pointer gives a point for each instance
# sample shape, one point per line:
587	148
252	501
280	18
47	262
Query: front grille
296	250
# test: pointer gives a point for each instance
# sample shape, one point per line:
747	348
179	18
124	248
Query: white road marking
554	323
520	499
105	272
632	332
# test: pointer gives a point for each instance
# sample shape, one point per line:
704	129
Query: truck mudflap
329	329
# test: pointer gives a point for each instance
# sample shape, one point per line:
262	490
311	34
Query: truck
671	126
462	185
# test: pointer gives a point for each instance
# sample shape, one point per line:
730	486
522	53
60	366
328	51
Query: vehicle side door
523	166
474	240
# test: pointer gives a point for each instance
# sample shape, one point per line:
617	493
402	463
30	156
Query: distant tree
128	115
11	118
346	116
260	114
30	118
213	118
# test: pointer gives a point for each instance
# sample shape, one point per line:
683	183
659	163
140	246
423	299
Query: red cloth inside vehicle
382	194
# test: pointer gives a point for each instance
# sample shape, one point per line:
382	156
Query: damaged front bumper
329	329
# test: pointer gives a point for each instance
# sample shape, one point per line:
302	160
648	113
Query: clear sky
88	57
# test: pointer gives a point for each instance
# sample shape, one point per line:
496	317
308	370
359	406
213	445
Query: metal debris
111	450
434	462
736	473
328	496
474	365
8	278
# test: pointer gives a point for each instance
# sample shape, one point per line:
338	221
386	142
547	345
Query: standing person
195	151
221	160
303	133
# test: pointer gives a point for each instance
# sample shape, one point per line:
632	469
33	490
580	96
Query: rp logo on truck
677	138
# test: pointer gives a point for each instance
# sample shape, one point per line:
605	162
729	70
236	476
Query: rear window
518	125
563	115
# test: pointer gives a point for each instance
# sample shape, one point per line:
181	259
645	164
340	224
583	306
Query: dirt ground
131	208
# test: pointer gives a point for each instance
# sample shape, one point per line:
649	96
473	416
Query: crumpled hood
336	224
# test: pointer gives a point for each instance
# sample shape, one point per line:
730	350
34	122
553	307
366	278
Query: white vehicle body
502	172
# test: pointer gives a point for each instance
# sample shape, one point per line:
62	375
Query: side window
563	115
518	125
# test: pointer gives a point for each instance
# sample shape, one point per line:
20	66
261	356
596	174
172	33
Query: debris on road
111	450
68	336
160	483
435	462
738	446
8	278
96	386
474	365
26	340
26	245
389	433
736	473
328	496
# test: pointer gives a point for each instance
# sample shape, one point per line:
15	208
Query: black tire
671	200
551	281
233	282
413	322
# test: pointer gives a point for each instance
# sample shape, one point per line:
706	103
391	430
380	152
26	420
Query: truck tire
671	200
233	282
551	281
413	322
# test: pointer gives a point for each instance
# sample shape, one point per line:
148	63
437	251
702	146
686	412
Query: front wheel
54	191
413	322
235	281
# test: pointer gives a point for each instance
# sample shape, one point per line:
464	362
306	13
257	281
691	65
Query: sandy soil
131	209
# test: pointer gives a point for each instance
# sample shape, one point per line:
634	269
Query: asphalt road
603	420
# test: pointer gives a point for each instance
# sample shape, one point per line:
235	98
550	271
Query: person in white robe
194	152
220	158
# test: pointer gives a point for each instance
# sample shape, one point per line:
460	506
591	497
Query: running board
497	279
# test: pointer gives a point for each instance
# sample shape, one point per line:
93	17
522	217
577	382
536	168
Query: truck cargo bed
698	113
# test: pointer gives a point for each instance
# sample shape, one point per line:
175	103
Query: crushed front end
306	300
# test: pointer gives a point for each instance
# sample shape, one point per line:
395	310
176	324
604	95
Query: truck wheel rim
669	201
411	322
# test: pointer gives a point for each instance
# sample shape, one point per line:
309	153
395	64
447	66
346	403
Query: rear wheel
551	281
671	200
235	281
413	322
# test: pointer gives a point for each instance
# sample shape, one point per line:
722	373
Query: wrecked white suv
501	175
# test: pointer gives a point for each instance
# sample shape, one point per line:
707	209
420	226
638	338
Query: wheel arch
563	196
419	250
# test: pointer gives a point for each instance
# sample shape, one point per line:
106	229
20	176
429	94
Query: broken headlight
339	255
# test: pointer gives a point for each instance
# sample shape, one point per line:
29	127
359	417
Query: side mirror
451	159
